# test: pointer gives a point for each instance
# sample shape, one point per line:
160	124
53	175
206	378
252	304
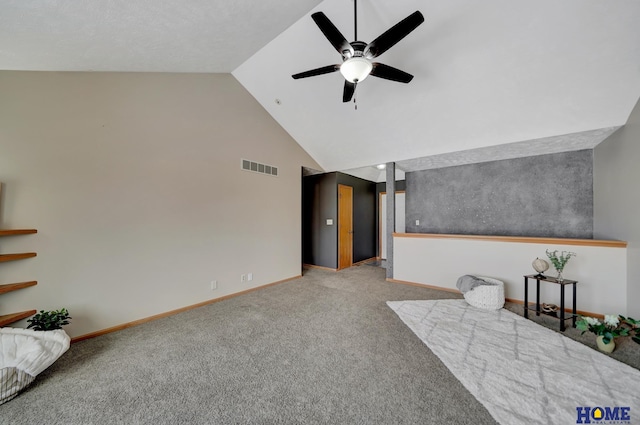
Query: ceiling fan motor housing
358	50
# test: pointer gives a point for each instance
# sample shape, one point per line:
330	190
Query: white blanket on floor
25	353
31	351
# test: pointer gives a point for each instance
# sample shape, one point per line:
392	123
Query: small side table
536	308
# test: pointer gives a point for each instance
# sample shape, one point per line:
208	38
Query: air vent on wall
256	167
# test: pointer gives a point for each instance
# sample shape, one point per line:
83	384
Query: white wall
600	271
133	181
617	198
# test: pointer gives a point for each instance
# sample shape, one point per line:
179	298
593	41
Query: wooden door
345	226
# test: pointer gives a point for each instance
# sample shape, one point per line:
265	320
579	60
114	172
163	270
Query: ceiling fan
357	56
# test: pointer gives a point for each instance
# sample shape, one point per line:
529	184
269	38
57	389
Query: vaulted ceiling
492	78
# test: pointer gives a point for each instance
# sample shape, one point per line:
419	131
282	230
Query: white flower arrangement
613	326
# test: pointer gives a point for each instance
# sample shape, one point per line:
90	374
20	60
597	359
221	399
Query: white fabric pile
488	295
24	353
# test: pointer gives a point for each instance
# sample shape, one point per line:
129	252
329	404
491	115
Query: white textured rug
521	372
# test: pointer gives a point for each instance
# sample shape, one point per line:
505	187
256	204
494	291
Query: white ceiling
140	35
490	76
486	73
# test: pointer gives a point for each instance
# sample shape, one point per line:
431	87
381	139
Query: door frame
380	206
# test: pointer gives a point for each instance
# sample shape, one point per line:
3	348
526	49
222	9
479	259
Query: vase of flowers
605	347
559	261
609	329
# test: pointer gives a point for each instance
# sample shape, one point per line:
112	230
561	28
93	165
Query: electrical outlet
214	285
243	278
417	222
250	276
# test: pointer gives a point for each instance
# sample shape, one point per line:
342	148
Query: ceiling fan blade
387	72
349	90
334	36
318	71
394	34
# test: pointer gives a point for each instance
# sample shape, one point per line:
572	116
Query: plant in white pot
609	329
49	320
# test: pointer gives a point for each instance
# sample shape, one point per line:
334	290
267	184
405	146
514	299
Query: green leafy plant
611	328
559	260
634	326
49	320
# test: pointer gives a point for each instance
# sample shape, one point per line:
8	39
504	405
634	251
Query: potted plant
608	330
634	328
49	320
559	260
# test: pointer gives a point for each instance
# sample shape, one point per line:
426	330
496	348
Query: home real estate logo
603	415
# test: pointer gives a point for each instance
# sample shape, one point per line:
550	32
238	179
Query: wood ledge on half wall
518	239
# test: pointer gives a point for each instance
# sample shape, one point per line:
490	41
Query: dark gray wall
320	202
542	196
364	216
617	198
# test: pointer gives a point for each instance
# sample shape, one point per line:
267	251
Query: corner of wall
616	203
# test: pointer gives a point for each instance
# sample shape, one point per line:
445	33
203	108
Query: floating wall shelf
14	317
13	257
11	232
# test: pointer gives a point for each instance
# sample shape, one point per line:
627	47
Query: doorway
382	225
345	226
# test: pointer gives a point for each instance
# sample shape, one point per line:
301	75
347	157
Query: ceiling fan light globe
355	70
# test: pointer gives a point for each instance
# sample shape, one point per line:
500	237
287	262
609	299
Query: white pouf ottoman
487	297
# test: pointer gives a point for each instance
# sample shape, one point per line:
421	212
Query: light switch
329	222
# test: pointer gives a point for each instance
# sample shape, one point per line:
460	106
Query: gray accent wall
320	202
364	216
617	199
540	196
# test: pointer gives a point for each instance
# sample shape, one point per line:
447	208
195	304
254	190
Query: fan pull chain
355	90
